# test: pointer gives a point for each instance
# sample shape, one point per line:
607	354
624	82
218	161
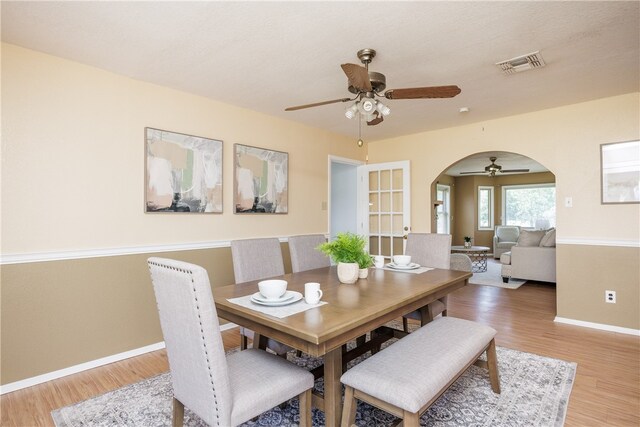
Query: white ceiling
266	56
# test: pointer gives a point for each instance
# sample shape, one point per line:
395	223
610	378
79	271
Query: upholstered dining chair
221	390
255	259
429	250
304	255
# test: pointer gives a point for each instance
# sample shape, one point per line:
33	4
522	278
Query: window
443	210
485	208
529	206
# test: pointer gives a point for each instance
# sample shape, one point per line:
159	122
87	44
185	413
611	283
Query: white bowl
402	260
272	289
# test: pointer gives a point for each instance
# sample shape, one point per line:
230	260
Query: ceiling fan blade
423	92
515	170
465	173
358	77
379	118
317	104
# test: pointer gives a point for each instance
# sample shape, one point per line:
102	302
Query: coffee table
478	255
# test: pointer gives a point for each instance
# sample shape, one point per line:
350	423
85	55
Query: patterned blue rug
535	392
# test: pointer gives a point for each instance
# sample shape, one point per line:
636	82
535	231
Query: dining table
348	312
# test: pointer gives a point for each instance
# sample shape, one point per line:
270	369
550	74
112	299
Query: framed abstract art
183	173
260	180
620	172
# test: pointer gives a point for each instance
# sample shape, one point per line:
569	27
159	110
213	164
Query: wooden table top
351	310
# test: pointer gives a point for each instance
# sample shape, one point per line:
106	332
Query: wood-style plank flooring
606	390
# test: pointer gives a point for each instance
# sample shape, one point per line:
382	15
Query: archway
467	175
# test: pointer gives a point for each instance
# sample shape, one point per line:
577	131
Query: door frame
346	161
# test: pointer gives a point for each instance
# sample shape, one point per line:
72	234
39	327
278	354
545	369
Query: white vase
348	272
363	273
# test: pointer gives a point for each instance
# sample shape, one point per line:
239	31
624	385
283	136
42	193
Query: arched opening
464	177
477	196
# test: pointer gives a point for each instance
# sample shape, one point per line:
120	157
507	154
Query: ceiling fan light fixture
350	112
383	109
367	106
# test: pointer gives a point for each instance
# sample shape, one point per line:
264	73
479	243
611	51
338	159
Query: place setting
401	263
274	299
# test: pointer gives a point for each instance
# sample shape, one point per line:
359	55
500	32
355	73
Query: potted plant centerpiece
467	241
347	251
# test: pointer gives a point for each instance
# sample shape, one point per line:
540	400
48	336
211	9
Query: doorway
343	195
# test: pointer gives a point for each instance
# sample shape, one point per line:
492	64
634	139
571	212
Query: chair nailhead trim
190	273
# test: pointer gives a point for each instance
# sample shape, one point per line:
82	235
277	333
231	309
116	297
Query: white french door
386	200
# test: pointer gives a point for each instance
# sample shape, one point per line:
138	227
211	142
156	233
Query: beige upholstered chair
504	238
429	250
255	259
304	255
222	390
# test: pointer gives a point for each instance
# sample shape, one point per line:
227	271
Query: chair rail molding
586	241
125	250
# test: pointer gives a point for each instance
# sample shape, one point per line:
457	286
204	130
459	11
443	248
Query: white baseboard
600	326
29	382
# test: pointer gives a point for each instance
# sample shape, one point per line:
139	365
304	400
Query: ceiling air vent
522	63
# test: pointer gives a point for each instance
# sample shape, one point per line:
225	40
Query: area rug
535	392
492	277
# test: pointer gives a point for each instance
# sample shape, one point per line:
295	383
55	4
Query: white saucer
289	297
410	266
284	297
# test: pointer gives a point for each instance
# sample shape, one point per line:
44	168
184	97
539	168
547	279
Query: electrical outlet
610	297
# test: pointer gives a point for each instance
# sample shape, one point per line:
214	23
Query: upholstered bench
405	378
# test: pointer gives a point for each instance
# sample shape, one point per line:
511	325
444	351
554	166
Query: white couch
533	258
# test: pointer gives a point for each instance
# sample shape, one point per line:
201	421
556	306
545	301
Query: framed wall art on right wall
620	172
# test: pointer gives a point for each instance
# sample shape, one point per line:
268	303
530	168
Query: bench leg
411	419
405	324
244	341
492	364
178	413
349	410
305	408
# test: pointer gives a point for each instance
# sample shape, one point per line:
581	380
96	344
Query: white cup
273	288
378	261
402	260
312	293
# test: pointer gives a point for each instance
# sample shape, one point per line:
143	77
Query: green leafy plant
349	248
467	239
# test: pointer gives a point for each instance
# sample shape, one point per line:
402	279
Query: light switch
568	202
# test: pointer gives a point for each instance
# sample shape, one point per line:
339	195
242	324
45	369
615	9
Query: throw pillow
530	237
549	239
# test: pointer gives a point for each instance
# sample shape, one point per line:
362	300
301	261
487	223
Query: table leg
332	387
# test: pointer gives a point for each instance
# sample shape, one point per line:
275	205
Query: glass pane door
388	201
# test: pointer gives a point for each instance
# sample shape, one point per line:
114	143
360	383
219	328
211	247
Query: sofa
532	258
504	239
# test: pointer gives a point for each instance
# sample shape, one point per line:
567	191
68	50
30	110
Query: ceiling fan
367	85
493	168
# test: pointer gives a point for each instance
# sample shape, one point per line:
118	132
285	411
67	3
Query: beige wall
62	313
72	180
73	159
567	141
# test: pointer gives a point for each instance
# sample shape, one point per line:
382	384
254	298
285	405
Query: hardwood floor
606	389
